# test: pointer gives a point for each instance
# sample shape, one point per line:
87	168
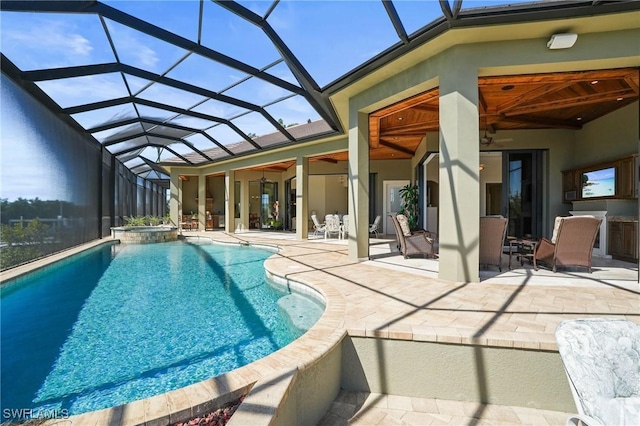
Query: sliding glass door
265	211
522	192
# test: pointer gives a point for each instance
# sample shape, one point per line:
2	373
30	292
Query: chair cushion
556	225
404	225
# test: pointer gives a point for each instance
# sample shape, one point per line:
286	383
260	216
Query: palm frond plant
409	195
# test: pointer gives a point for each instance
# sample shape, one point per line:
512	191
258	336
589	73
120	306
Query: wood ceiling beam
427	108
482	103
633	83
422	126
374	132
530	95
571	102
397	147
406	104
276	168
543	122
328	160
561	77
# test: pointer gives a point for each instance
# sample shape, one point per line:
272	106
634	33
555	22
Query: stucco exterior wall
501	376
608	138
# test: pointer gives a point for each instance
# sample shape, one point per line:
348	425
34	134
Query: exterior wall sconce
562	41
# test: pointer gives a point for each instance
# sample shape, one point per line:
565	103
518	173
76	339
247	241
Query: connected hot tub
145	234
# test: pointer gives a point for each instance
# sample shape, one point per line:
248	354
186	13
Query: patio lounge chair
318	228
492	233
573	243
411	243
601	358
373	228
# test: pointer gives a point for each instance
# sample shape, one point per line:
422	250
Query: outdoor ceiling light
562	41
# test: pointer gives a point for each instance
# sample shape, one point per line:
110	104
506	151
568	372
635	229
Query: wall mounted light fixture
562	41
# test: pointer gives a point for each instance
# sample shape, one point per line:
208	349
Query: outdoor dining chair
318	228
331	225
373	228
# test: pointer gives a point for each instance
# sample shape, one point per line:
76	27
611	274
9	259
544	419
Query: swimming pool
126	322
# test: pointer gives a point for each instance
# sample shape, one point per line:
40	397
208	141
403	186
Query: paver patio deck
395	298
405	303
403	299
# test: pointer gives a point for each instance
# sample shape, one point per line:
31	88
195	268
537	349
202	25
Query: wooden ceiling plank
397	147
482	103
406	104
374	132
570	102
546	89
411	126
633	84
546	122
575	76
427	108
328	160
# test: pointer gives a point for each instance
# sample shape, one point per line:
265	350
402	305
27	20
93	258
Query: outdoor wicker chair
419	242
573	245
492	233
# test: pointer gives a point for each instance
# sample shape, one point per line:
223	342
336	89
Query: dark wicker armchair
419	242
573	244
492	233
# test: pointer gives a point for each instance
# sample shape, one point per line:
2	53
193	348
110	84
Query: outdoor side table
522	249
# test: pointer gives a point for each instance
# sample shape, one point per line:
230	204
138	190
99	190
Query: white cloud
131	47
83	90
47	41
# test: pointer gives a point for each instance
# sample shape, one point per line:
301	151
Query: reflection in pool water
127	322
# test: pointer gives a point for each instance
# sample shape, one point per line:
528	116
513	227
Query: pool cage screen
60	188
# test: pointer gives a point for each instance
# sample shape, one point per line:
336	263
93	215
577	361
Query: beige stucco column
229	200
244	203
302	198
358	193
202	200
459	175
175	198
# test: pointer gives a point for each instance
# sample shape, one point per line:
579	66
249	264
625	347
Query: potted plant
409	195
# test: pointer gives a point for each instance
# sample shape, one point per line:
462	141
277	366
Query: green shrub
25	243
135	221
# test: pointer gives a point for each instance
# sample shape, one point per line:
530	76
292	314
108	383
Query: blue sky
330	38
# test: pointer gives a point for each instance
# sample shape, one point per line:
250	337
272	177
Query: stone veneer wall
144	235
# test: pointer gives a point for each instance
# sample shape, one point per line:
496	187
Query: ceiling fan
487	140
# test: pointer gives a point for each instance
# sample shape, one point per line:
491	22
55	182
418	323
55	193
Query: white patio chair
331	225
373	228
344	228
601	358
318	228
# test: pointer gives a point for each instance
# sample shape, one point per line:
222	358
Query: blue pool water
126	322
